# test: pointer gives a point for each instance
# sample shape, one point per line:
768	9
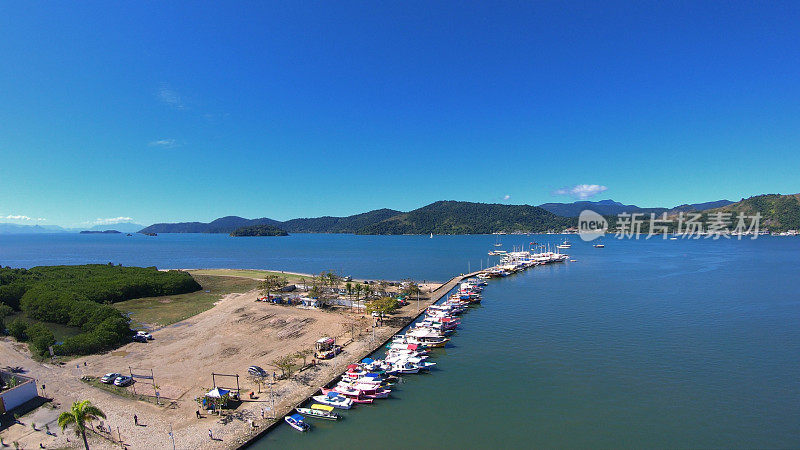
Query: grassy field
256	274
166	310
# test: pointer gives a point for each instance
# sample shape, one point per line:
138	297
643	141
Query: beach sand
236	333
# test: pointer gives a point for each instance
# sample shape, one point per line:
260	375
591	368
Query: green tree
383	306
333	279
272	283
286	364
411	289
303	354
349	288
18	329
258	380
40	338
78	416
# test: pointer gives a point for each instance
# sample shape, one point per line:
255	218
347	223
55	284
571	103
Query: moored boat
335	400
296	422
318	411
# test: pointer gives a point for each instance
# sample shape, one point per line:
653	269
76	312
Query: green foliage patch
81	296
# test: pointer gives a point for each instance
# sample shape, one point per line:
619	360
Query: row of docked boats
372	379
516	261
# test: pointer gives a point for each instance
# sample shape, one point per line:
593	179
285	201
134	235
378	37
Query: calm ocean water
640	344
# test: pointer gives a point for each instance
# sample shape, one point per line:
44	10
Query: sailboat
431	235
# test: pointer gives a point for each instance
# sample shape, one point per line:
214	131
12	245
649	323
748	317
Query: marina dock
341	363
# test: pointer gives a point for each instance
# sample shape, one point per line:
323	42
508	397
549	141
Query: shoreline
183	358
285	272
434	297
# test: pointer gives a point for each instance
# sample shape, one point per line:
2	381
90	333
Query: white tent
217	393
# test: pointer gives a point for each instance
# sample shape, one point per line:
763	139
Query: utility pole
272	394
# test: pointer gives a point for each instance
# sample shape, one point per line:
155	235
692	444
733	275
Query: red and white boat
351	393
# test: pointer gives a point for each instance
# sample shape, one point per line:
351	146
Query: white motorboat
405	368
296	422
334	399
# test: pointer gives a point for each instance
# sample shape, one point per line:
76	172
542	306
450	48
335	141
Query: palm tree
359	288
349	287
78	416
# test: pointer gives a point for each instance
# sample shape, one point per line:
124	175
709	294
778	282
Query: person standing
210	434
135	420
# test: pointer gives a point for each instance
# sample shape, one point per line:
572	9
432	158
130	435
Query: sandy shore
236	333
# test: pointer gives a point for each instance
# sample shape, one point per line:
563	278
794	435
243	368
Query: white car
110	377
145	334
123	380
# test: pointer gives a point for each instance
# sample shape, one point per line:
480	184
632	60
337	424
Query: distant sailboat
431	235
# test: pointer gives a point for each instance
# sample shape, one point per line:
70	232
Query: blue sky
167	111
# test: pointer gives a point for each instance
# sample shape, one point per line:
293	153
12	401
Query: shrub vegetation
81	296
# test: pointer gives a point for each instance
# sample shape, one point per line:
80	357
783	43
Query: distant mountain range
13	228
125	227
443	217
779	213
612	208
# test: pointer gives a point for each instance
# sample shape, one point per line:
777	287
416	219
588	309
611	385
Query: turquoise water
640	344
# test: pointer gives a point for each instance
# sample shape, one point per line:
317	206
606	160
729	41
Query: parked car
109	377
257	371
123	380
139	338
146	334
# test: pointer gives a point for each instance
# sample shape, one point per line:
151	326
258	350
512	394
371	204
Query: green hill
778	212
451	217
348	224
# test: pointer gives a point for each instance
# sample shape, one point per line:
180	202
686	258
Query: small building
15	390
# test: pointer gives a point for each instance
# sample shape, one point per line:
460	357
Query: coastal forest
259	230
80	297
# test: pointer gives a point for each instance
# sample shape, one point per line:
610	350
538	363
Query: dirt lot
234	334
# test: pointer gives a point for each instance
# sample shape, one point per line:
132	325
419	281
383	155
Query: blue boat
296	422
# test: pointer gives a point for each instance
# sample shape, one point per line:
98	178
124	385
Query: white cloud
17	217
581	191
164	143
169	97
113	220
507	196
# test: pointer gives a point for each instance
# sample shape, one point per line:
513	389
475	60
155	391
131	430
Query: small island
100	232
259	230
